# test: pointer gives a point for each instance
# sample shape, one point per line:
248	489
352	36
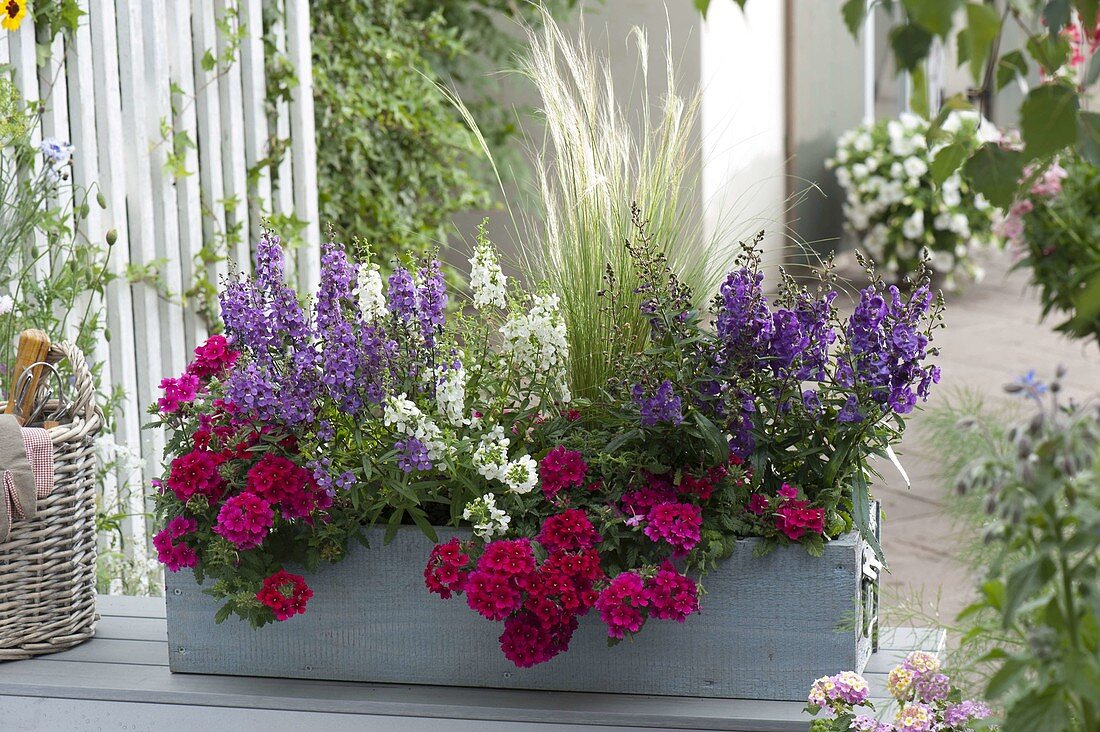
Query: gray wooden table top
120	680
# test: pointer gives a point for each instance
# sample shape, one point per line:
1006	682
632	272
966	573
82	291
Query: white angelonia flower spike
487	280
372	298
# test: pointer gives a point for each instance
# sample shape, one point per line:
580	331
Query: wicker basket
48	563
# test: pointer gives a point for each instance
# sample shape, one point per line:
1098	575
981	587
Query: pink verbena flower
528	640
671	595
568	531
244	520
492	595
508	557
620	605
289	486
561	469
213	358
171	552
177	392
788	491
286	594
446	571
677	524
758	504
196	473
794	519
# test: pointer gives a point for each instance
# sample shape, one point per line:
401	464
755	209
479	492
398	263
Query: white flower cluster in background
490	460
487	519
372	299
450	395
6	304
894	204
535	343
487	280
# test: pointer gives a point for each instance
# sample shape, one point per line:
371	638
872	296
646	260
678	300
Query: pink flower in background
177	392
758	503
620	605
492	595
671	595
446	572
788	491
794	519
1049	183
196	473
561	469
213	358
245	520
286	594
172	553
568	531
678	524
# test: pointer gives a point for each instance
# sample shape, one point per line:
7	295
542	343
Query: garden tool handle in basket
34	345
83	415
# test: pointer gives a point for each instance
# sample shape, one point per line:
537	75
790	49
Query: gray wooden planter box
769	626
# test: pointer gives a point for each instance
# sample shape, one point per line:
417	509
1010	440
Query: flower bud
112	237
101	200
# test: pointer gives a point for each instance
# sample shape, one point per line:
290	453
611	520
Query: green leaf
933	15
1093	72
1087	8
702	6
947	161
208	61
1048	119
910	44
421	520
861	513
1038	709
716	441
1011	66
1056	15
1005	677
983	23
1025	582
1088	126
995	172
854	12
1051	52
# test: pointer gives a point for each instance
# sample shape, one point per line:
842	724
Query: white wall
743	120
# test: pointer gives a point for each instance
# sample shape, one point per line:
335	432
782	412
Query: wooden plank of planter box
769	626
99	680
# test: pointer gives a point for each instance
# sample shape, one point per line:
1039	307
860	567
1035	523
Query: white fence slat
158	112
79	65
303	134
189	207
208	114
283	184
25	66
254	91
111	137
233	157
149	338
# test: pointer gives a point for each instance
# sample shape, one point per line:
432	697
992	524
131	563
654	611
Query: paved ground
993	335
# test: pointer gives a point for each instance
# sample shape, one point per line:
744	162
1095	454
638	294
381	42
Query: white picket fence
127	83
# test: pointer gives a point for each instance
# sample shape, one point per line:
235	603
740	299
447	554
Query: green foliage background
395	160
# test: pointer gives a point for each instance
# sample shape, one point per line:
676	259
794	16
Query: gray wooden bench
120	681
